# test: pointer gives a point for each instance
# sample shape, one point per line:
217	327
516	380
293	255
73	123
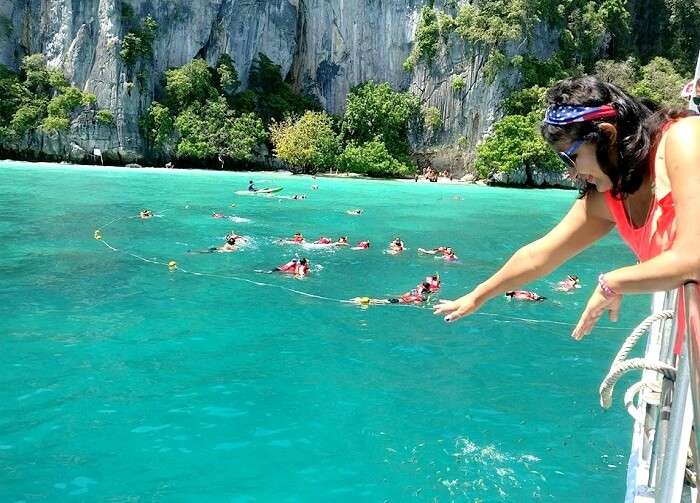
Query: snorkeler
524	295
418	295
323	241
449	255
358	211
228	246
432	251
297	267
570	283
342	241
362	245
433	282
297	239
298	196
144	214
396	246
218	215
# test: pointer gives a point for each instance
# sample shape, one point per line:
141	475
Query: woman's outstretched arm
587	221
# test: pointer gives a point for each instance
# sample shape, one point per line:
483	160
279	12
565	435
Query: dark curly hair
638	123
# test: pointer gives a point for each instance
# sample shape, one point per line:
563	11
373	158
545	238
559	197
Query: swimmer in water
433	283
144	214
323	241
396	246
237	237
314	187
299	268
570	283
299	196
432	251
449	255
524	295
418	295
228	246
362	245
342	241
358	211
218	215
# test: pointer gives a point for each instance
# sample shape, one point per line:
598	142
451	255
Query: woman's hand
455	309
595	308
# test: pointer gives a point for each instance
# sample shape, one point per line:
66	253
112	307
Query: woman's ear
609	130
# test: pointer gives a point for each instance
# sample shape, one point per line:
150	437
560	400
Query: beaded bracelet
607	291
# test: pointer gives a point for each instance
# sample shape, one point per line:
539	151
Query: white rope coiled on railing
621	366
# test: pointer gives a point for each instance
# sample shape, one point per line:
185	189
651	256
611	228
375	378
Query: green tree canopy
515	142
377	111
309	142
373	159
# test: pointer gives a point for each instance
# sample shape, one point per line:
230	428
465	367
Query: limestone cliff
326	47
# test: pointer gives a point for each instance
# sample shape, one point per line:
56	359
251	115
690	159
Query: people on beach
637	167
524	295
145	214
296	267
170	165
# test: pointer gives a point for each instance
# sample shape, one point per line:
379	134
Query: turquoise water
121	381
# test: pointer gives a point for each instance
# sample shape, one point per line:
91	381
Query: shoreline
442	181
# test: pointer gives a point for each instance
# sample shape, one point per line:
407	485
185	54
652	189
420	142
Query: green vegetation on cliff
370	138
38	98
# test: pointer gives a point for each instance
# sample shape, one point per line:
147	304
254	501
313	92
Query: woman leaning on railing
640	171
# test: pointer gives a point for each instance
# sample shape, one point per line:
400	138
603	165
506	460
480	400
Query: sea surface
122	380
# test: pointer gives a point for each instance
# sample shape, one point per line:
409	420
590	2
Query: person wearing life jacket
433	282
524	295
342	241
362	245
323	241
218	215
297	267
449	254
396	246
418	295
637	166
570	283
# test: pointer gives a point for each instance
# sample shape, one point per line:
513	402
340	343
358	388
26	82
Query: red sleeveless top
658	232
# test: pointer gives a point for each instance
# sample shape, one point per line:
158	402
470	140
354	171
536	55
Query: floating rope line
174	267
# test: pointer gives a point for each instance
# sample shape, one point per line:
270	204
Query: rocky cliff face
326	46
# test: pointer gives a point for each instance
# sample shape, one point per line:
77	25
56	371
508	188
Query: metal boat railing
668	407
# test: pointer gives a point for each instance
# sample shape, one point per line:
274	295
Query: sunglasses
568	156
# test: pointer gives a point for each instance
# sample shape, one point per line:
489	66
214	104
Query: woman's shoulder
684	128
